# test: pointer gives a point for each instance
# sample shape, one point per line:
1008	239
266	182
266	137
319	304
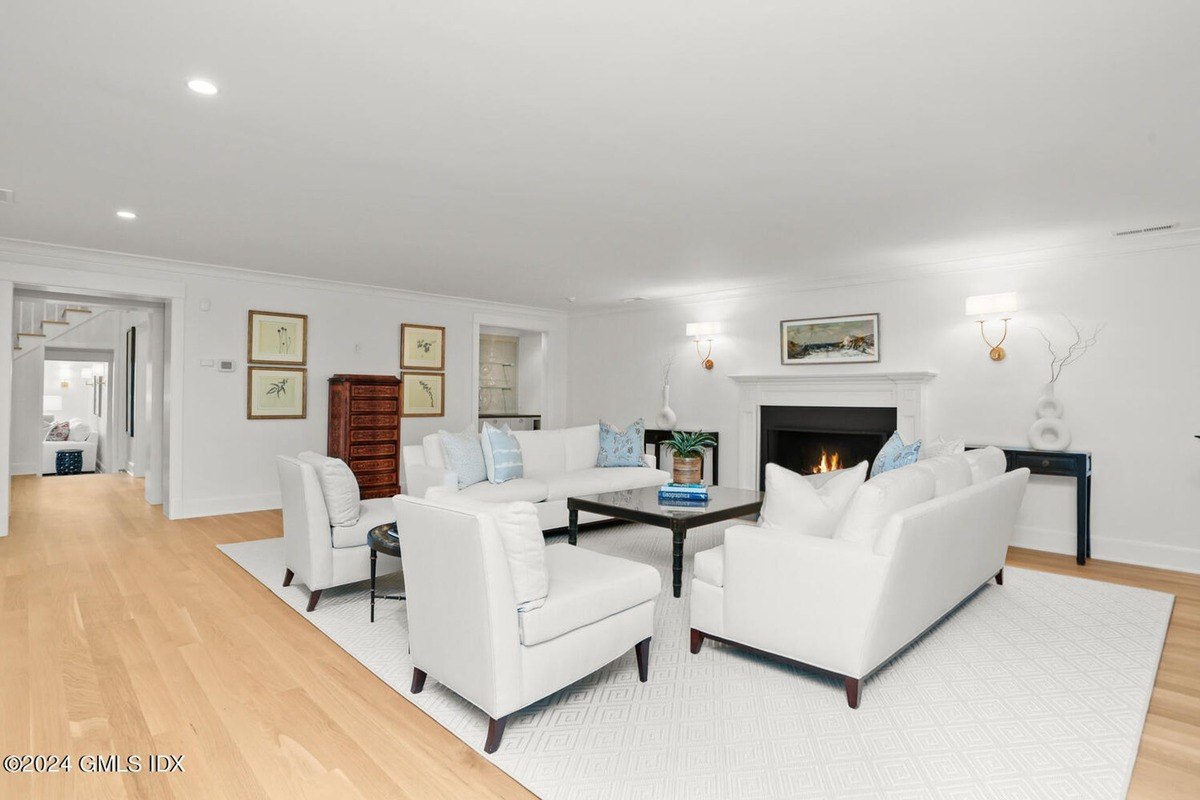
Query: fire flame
828	462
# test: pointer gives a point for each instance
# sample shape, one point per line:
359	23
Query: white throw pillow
79	432
338	485
521	536
950	473
932	448
879	498
986	463
792	502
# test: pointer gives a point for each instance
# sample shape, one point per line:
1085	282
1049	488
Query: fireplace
808	439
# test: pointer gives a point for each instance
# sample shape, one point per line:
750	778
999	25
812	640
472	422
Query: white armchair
465	630
322	555
844	607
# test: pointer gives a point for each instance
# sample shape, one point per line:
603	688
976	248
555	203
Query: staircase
39	322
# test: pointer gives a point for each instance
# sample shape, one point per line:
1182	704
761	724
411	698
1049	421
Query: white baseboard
28	468
230	504
1125	551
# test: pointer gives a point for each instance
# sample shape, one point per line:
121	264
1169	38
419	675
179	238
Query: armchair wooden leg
1000	577
495	732
697	641
418	681
313	598
853	685
642	651
287	577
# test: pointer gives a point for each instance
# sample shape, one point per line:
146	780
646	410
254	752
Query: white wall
1133	400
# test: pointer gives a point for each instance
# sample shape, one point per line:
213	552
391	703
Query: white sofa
464	627
81	437
558	464
845	607
322	555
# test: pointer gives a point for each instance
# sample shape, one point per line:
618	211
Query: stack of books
683	494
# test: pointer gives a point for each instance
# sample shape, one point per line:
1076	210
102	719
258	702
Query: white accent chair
322	555
465	630
845	607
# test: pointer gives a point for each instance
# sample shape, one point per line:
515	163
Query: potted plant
687	450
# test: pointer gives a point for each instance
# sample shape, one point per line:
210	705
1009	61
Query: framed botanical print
851	339
276	338
422	347
423	394
276	392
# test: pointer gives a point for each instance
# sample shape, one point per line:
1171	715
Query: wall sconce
703	332
986	307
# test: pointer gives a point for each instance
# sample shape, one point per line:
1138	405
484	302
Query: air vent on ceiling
1151	229
6	196
638	299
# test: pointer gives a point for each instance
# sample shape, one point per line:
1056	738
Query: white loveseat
558	464
846	607
81	437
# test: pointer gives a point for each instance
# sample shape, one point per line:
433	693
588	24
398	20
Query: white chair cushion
709	566
542	453
594	480
526	489
338	485
950	473
370	513
79	432
986	463
581	445
879	498
792	502
520	534
432	445
586	587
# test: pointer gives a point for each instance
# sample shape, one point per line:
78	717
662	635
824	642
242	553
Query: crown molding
64	256
1181	238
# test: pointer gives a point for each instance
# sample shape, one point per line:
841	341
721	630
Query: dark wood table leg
677	559
374	555
1081	518
572	526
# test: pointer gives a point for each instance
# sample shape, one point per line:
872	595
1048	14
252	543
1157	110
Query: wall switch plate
225	365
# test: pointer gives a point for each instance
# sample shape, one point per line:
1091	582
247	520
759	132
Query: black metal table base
375	596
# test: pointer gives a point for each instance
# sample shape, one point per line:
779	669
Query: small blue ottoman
68	462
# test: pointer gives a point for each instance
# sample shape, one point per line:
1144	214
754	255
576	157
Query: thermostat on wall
225	365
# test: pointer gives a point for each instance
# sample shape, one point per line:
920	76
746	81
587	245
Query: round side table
382	539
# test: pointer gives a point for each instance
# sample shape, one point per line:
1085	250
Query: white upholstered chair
322	555
465	630
846	607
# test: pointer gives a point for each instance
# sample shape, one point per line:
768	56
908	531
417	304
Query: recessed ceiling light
125	213
202	86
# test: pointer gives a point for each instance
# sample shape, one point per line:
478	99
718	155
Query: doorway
512	377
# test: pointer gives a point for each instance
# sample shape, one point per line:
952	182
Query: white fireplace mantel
903	391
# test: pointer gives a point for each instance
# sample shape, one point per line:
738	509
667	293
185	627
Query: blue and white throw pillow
895	454
621	448
464	456
501	454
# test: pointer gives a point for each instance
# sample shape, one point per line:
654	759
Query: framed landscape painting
276	393
423	394
277	338
422	347
830	340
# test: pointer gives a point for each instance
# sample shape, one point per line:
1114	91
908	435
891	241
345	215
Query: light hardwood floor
121	632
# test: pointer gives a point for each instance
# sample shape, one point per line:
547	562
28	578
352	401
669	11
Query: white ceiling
527	151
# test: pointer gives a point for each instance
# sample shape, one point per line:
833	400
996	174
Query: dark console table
656	436
1075	464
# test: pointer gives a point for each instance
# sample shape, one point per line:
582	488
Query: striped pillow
502	453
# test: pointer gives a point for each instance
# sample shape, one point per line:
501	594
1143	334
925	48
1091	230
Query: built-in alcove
808	439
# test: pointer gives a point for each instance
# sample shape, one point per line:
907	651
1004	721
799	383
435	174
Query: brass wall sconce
700	333
987	307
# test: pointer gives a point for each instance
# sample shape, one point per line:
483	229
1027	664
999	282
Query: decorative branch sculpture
1076	350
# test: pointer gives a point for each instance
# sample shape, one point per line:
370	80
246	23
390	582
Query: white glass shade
703	330
984	305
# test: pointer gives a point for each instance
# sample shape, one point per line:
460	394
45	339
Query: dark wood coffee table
641	505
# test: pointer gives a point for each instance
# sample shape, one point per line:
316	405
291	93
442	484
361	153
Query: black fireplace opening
809	439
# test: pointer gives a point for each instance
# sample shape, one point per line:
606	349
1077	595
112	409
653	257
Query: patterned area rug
1037	689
